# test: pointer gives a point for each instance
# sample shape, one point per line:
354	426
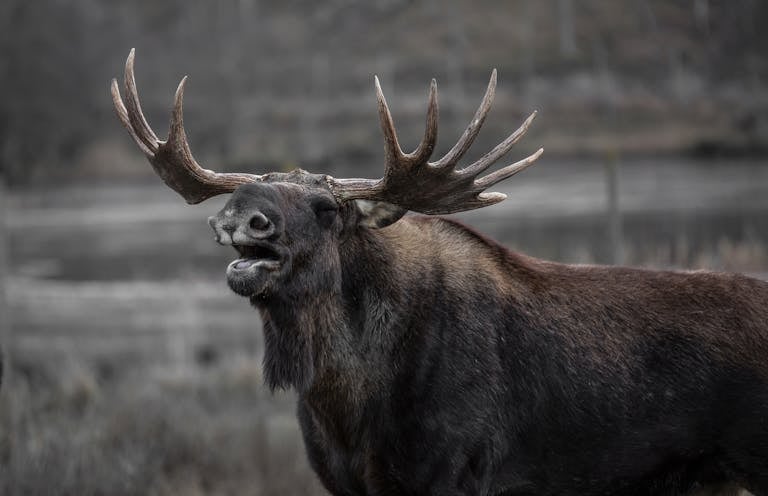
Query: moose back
429	359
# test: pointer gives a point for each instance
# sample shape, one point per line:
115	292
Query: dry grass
67	429
71	429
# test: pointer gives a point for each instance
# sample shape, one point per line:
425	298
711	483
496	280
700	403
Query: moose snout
241	228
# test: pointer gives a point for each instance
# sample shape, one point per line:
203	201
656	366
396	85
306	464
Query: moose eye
325	209
259	222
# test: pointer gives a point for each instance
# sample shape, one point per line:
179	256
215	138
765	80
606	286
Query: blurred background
132	369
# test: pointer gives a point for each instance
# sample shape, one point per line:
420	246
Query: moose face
285	231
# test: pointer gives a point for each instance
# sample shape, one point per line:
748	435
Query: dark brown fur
431	360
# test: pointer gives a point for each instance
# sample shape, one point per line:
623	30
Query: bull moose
430	360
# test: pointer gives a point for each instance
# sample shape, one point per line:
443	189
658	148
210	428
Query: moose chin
430	360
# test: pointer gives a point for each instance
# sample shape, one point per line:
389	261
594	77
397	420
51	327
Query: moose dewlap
429	359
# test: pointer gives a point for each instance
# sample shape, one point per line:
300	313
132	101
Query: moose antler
172	159
410	180
414	183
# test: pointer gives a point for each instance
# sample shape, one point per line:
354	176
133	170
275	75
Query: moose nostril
259	222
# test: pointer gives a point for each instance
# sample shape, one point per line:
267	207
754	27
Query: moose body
430	360
434	361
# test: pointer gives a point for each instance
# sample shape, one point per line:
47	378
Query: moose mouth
253	257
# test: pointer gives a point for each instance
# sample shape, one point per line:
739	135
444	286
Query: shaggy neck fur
298	327
330	324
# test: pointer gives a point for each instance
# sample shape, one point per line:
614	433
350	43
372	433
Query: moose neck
343	330
326	337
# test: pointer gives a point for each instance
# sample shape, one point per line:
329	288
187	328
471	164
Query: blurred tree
46	109
289	82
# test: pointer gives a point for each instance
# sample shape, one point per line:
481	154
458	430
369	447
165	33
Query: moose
429	359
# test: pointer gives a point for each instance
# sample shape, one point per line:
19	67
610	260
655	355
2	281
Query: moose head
286	228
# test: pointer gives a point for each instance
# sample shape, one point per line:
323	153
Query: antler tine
508	171
122	114
394	155
427	145
177	136
473	128
392	150
499	150
176	132
138	121
172	160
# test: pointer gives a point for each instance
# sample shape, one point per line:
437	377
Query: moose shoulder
429	359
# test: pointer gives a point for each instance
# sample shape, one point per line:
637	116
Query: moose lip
252	257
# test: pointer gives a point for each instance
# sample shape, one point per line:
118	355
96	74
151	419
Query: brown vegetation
70	428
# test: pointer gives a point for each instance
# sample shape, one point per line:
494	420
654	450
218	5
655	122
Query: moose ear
376	214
